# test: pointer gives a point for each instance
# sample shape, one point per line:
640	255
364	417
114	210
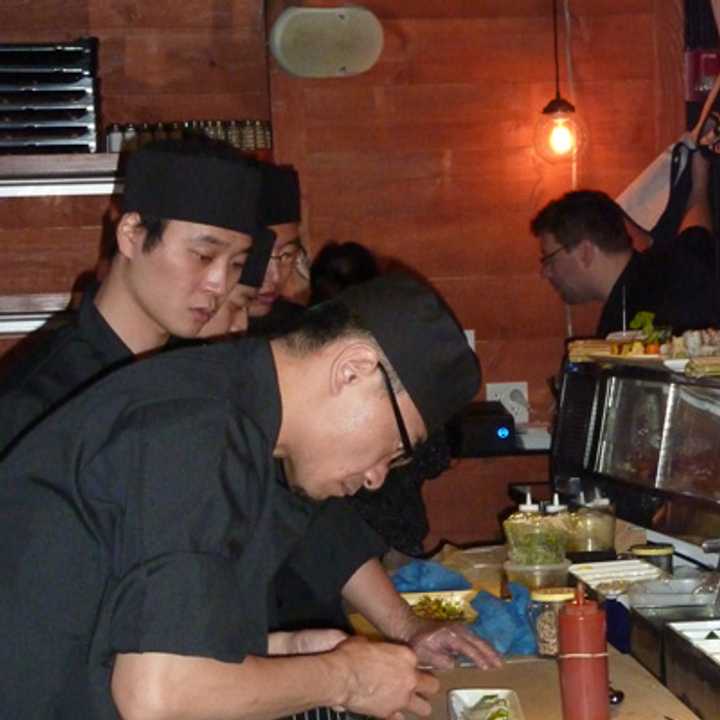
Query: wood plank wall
426	158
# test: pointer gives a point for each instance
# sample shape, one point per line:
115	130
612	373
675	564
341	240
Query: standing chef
180	248
141	523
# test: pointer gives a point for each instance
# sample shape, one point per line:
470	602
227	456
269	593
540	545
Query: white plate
460	701
676	364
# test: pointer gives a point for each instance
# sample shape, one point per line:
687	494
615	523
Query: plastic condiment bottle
582	659
524	521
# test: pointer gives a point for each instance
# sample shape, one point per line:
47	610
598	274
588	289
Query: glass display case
649	438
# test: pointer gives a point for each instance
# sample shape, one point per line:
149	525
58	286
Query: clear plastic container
537	576
557	516
592	527
533	539
543	612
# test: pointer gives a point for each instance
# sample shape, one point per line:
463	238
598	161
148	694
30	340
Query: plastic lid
555	506
599	500
652	550
553	594
528	505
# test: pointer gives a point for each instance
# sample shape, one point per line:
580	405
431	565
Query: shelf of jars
37	175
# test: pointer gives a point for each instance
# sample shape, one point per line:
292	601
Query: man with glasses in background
587	255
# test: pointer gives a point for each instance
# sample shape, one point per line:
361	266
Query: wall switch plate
513	395
470	337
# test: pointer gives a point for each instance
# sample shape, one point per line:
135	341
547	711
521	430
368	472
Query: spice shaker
582	659
544	611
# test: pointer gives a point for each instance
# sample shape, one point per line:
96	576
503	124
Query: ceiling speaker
326	42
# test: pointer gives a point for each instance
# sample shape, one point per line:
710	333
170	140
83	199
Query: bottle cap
555	506
599	501
528	505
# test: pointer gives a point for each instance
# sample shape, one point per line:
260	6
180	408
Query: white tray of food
613	578
484	704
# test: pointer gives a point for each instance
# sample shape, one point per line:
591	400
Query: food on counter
438	609
644	338
490	707
703	366
586	350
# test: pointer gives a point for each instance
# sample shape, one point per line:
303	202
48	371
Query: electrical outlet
513	395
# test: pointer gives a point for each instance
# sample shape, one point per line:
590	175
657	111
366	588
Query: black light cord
555	45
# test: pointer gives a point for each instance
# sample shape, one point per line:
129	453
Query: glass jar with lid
659	554
544	610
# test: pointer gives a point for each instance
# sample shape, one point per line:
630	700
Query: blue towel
427	576
504	623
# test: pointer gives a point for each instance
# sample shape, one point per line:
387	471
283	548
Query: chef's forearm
371	593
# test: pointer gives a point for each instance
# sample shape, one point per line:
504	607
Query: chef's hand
438	644
382	679
304	642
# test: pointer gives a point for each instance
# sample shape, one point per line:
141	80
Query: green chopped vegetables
490	707
645	321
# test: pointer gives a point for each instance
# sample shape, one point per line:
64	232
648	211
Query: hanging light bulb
559	134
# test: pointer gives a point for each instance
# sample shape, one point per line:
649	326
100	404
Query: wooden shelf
71	174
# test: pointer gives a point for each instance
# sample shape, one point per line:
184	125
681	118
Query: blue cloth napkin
427	576
504	623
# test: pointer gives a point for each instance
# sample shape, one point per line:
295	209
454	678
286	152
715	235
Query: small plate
676	364
460	701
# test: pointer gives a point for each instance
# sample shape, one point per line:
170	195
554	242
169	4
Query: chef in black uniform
587	255
141	523
180	249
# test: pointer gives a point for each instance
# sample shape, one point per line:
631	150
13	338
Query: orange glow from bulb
562	138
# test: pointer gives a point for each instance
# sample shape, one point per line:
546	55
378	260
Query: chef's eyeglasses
407	453
288	254
545	259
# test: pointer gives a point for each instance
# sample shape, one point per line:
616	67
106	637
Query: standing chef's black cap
280	194
195	181
422	340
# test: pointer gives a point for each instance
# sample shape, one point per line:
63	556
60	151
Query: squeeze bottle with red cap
582	659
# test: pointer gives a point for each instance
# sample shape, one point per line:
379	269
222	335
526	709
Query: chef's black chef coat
66	360
72	357
676	280
142	516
